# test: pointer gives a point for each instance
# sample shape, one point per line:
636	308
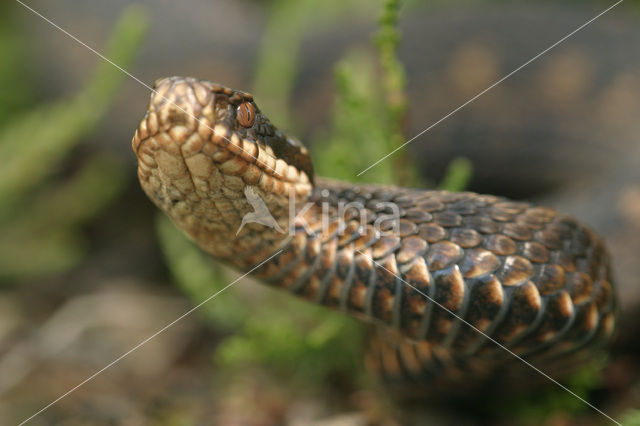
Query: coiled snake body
534	280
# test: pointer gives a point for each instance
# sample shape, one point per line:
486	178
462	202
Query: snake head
200	144
233	117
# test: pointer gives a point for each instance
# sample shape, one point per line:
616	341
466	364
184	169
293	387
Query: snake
460	287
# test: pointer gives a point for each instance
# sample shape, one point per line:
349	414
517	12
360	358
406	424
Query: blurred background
88	267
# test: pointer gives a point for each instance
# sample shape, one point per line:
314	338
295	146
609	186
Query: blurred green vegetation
41	209
357	137
43	205
289	22
364	129
293	339
17	92
533	408
631	418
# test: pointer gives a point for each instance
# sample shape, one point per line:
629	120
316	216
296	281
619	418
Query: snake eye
246	114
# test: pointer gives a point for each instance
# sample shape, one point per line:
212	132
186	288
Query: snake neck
266	223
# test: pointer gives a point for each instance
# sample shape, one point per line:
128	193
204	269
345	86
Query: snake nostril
174	102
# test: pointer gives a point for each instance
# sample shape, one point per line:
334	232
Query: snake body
459	273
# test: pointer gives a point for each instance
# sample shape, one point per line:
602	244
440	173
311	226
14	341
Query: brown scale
418	284
533	279
450	295
487	298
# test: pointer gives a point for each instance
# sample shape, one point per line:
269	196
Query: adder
450	281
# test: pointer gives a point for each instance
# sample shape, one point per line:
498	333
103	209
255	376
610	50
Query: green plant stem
394	83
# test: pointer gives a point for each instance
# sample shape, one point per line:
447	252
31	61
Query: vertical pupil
246	114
